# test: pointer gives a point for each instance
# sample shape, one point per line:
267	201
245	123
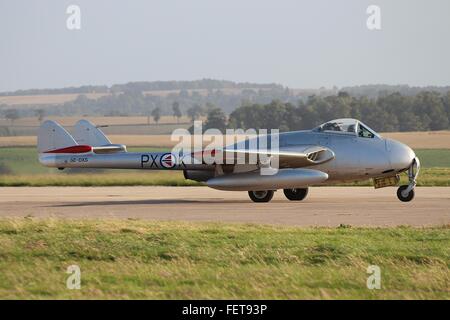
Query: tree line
130	103
273	107
141	86
427	110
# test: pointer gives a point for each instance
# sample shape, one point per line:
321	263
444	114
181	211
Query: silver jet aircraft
342	150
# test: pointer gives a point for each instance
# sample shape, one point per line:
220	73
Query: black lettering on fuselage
144	159
154	161
149	160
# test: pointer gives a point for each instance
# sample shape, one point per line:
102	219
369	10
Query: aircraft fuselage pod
340	150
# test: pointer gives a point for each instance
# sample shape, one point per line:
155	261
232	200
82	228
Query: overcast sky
301	44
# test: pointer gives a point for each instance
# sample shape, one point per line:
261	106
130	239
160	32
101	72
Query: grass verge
156	178
19	167
427	177
166	260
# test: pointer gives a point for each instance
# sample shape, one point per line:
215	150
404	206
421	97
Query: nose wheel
405	193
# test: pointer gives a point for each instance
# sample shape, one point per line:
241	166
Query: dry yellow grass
17	141
416	140
422	140
70	121
46	99
129	140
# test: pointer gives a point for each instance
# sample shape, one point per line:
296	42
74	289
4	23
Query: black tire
296	194
261	196
402	198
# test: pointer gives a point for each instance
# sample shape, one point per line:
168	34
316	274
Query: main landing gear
296	194
405	193
261	196
267	195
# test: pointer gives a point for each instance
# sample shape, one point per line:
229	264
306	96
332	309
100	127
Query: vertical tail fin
51	136
88	134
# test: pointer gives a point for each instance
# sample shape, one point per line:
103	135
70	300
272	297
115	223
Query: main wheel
405	197
296	194
261	196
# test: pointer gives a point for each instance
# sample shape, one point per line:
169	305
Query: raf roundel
167	160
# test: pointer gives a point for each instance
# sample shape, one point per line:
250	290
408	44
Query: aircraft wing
288	157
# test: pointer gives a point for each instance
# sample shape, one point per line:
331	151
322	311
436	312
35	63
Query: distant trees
383	107
447	104
275	115
187	85
156	114
139	98
209	106
11	114
176	111
430	105
373	91
82	89
40	114
393	112
216	119
195	112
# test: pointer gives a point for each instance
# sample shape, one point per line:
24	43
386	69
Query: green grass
132	178
156	260
19	167
434	157
428	177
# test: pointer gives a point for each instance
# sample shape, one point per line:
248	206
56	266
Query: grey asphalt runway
325	206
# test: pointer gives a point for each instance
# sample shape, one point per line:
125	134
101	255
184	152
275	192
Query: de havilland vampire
334	152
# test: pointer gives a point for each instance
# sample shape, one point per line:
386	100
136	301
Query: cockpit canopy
347	126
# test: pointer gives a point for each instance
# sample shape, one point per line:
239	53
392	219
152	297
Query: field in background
166	260
153	135
422	139
19	102
138	125
128	140
101	121
19	167
26	100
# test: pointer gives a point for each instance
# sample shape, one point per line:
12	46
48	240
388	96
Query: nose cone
400	155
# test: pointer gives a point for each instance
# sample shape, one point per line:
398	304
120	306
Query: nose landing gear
405	193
